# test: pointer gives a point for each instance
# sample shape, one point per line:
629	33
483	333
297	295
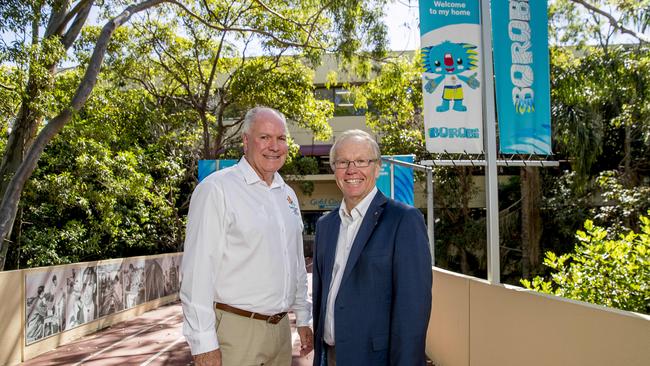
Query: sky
403	25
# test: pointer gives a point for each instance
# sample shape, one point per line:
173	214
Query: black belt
271	319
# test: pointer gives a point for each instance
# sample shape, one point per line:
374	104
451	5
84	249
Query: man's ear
244	138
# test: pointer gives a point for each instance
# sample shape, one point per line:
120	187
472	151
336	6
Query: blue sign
207	167
521	70
402	179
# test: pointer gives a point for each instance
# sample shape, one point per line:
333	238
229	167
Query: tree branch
59	20
5	87
283	42
278	15
73	32
613	21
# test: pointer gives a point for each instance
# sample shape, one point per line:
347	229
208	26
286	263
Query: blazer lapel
367	227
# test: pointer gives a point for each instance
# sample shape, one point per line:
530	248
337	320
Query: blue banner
521	70
207	167
402	179
450	35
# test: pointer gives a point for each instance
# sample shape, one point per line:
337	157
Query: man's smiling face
354	182
265	145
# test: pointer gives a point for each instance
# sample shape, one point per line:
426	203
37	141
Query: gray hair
249	119
358	134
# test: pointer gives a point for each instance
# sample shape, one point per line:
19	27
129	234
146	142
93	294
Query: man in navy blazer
371	270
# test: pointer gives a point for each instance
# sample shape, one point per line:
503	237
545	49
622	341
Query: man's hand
306	340
212	358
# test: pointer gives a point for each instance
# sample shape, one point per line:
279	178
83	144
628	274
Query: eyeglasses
359	163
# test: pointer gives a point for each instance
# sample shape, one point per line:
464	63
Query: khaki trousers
247	342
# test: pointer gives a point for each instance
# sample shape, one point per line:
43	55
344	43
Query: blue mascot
449	60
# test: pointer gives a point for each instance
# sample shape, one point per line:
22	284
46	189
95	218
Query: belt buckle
275	319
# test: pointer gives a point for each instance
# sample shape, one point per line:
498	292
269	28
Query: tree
610	272
597	93
111	184
577	22
393	100
61	22
203	70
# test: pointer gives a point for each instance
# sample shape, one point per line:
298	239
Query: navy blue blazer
382	308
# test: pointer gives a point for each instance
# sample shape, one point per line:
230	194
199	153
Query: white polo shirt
243	247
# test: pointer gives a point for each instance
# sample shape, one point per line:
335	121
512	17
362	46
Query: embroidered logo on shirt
293	206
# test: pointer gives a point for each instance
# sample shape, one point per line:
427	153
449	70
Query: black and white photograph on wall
111	297
81	290
171	268
44	305
154	279
133	282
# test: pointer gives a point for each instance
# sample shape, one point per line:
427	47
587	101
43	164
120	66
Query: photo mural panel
59	299
45	299
81	290
154	279
133	282
111	293
171	266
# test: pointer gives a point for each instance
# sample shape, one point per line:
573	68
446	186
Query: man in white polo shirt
243	267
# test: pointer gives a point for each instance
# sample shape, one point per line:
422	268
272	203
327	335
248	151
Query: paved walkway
154	338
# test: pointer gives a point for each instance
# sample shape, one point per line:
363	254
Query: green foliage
10	97
298	166
286	85
597	100
394	103
110	185
622	205
610	272
572	23
564	209
204	73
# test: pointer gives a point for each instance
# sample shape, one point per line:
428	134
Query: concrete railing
474	323
43	308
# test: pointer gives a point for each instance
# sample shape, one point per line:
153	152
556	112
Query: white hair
251	115
359	134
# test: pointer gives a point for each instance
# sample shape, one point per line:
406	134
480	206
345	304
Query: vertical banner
521	69
402	179
450	34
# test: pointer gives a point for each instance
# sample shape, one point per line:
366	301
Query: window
342	99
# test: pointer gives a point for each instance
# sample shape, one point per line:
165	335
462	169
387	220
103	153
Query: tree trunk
629	176
11	196
208	154
531	220
23	132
